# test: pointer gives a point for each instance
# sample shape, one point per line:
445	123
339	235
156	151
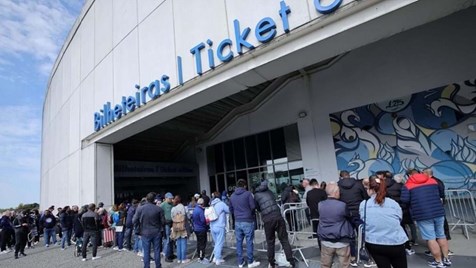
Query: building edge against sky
182	95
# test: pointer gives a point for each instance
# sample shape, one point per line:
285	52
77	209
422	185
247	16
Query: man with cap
167	206
200	228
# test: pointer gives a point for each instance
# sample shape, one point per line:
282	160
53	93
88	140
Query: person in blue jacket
218	227
200	228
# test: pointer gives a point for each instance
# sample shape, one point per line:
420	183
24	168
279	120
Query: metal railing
298	223
460	210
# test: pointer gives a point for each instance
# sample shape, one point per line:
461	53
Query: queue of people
155	227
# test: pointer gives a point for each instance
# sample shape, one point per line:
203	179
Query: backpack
178	222
210	214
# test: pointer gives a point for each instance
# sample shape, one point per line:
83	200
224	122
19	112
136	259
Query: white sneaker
410	252
186	261
241	265
97	257
179	261
254	264
84	259
115	248
219	262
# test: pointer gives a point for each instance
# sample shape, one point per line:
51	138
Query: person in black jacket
48	221
314	196
21	226
394	190
90	221
129	225
66	222
352	192
273	223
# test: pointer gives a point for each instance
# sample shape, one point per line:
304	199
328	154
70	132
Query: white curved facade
116	45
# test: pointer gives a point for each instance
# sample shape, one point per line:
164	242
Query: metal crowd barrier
461	210
298	223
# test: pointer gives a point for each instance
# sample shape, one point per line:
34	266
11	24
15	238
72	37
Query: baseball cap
169	195
196	196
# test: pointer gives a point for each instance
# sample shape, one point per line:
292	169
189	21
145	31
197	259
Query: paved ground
54	257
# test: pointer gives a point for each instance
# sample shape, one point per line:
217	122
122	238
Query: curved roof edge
74	29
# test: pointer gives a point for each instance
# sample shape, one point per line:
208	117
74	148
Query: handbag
363	253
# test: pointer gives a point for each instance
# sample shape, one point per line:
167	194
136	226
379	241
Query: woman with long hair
384	236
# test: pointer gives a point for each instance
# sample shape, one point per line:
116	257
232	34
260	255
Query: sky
31	35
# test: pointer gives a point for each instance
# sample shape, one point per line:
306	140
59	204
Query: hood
389	182
347	183
240	190
262	187
215	201
418	178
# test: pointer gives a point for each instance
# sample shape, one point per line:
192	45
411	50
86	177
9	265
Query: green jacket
167	207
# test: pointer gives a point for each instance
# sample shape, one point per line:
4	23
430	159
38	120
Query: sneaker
115	248
168	260
62	248
447	261
354	263
179	261
84	259
186	261
140	254
410	251
241	265
450	253
23	254
436	264
428	253
119	250
204	261
97	257
370	264
219	262
47	246
254	264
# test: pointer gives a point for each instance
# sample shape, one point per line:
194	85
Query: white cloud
20	150
34	28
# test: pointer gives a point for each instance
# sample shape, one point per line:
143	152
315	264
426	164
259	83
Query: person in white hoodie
217	227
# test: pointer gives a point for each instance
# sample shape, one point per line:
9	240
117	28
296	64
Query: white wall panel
75	50
124	18
102	29
104	174
87	108
126	67
74	178
63	134
189	30
145	7
156	46
87	186
74	122
66	70
103	83
87	44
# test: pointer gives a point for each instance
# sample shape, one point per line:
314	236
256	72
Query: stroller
78	247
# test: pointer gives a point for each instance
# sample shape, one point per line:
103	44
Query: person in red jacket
424	197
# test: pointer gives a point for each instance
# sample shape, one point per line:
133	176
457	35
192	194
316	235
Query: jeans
156	241
168	243
50	233
218	236
138	244
128	238
242	230
201	244
120	240
181	248
66	238
270	229
94	238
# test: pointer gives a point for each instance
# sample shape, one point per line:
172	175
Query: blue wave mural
431	129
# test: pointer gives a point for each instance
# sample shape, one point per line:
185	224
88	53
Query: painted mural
434	128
